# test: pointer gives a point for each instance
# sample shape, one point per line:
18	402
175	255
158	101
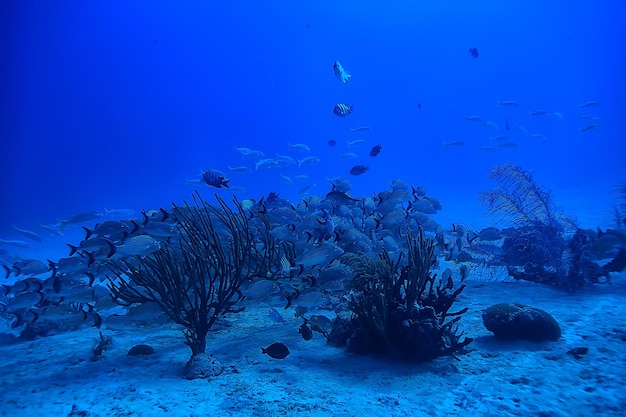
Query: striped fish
342	110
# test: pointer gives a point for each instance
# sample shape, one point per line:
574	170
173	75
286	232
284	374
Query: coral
197	279
544	245
517	321
398	309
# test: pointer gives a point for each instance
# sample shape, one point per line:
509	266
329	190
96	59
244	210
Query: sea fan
520	201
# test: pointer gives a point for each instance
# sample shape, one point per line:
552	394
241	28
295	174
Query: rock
517	321
138	350
203	366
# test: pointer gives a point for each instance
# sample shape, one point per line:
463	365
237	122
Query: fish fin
73	249
6	268
87	232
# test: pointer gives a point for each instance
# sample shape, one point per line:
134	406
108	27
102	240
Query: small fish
276	351
541	113
250	152
376	150
538	136
213	179
342	110
305	189
508	104
80	218
356	142
27	233
361	129
341	73
266	163
299	147
309	160
499	138
588	128
122	212
473	52
507	145
491	125
487	148
474	118
52	229
287	179
242	169
453	143
590	104
305	331
359	169
506	123
275	316
332	142
18	243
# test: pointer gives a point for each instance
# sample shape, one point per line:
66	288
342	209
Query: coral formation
198	279
398	309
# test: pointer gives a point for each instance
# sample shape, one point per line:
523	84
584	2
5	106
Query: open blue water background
113	103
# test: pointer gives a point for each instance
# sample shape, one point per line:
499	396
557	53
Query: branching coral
397	309
197	280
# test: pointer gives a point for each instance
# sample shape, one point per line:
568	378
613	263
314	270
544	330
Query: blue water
114	104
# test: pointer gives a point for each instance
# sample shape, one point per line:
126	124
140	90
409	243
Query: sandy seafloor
55	376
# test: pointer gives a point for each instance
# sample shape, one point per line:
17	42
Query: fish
309	160
80	218
590	104
52	229
214	179
247	152
491	125
588	128
499	138
359	169
488	234
287	179
275	316
541	113
305	331
305	189
299	147
376	150
27	233
487	148
508	104
261	289
266	163
348	155
242	169
356	142
474	118
122	212
138	245
507	145
332	142
453	143
341	197
18	243
473	52
341	73
276	351
320	323
361	129
342	110
319	255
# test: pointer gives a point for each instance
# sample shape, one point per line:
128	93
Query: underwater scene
277	208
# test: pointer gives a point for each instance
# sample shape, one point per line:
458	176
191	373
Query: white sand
50	376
